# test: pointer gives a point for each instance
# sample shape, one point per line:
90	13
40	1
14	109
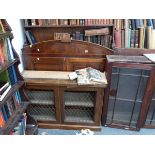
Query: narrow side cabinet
128	94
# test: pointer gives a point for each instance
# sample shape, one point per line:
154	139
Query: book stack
89	76
134	33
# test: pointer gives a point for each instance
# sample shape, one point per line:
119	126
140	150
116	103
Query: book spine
133	27
129	38
153	39
126	38
132	38
141	32
117	35
1	54
126	24
136	38
2	122
149	32
137	23
122	38
4	114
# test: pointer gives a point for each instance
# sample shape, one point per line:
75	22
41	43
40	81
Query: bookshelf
52	29
13	102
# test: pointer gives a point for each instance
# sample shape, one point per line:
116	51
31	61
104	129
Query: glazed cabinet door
125	95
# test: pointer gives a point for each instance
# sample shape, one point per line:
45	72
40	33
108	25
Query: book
30	37
1	53
153	39
2	122
133	26
3	85
5	93
136	38
117	37
102	31
149	33
141	37
88	76
132	38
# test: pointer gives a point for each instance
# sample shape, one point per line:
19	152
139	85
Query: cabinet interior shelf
44	117
14	120
8	64
13	89
119	74
123	99
79	115
79	99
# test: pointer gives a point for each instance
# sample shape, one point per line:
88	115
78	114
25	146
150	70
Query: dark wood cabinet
61	103
129	91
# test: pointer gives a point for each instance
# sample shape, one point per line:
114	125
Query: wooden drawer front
79	63
48	64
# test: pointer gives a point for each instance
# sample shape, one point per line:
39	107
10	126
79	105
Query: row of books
138	38
8	110
104	40
133	24
56	22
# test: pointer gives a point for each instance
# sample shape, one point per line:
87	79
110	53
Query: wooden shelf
84	99
8	64
6	35
14	119
44	117
78	115
13	89
68	26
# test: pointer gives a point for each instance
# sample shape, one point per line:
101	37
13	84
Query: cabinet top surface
52	78
132	59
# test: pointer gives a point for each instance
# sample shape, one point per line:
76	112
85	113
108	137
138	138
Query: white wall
18	40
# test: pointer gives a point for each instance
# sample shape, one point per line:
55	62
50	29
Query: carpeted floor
104	131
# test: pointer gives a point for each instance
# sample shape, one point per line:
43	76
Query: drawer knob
86	51
37	58
38	49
